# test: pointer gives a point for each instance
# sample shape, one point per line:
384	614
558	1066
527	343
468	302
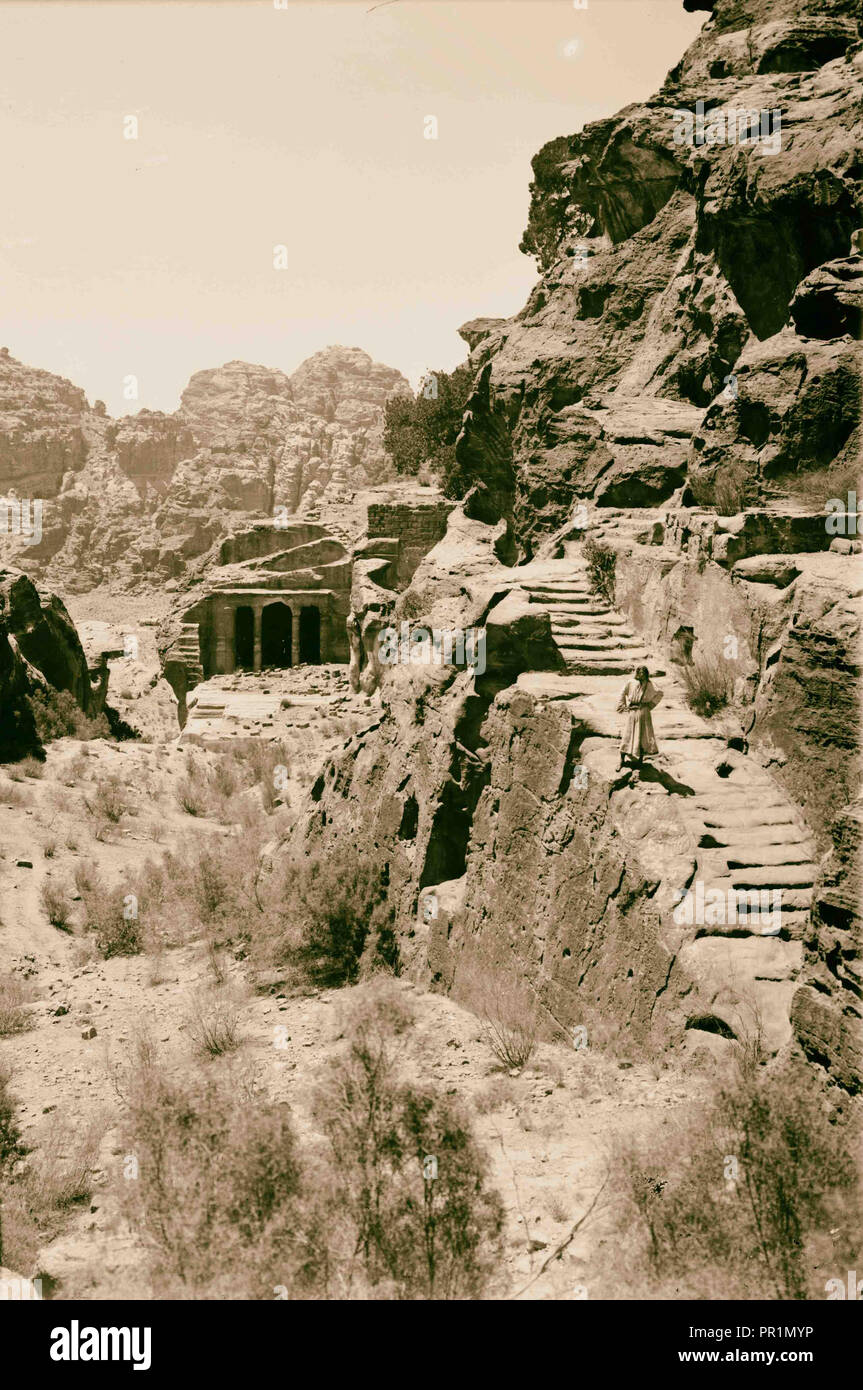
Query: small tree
423	429
409	1177
601	564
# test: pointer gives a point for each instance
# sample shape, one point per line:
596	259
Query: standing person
638	699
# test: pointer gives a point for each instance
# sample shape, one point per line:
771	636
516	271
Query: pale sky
301	127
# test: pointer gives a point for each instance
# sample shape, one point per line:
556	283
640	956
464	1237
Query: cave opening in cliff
310	635
244	637
276	632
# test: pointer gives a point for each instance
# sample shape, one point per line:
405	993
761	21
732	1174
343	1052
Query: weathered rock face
826	1011
703	289
136	499
41	434
38	645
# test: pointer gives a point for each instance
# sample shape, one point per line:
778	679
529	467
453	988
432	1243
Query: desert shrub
115	922
13	1015
601	565
27	767
58	907
40	1192
729	491
409	1211
109	801
191	794
218	1183
422	430
708	685
49	848
338	922
11	1144
815	489
11	795
728	1229
510	1021
213	1024
58	715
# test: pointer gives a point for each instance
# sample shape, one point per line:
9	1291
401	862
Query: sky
153	156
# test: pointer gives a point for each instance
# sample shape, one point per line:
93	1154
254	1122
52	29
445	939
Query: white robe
637	701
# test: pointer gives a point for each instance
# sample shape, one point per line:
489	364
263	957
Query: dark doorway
310	635
276	625
244	638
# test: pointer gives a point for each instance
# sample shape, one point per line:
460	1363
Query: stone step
748	856
774	876
597	644
791	927
771	815
780	835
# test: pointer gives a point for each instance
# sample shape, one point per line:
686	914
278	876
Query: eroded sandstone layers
687	362
134	500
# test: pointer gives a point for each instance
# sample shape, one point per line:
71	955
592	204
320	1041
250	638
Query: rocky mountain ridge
133	500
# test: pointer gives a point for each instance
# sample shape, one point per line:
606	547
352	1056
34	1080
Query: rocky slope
133	500
697	302
692	335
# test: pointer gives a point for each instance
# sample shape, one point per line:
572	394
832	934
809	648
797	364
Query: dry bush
728	492
58	715
815	489
601	566
86	877
218	1184
109	801
212	1024
708	685
57	904
40	1188
231	1210
12	795
114	921
510	1017
27	767
329	917
408	1214
13	1016
697	1223
49	848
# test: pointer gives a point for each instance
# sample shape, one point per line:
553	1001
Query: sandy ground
548	1131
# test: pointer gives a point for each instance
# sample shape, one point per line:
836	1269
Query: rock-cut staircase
746	833
591	635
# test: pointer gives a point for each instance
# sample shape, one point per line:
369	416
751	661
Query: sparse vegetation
733	1205
422	430
409	1212
728	491
13	1015
601	565
213	1024
58	907
57	714
708	685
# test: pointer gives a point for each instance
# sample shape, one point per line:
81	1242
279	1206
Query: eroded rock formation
698	303
135	500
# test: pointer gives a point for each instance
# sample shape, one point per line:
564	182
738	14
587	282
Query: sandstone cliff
131	501
692	338
697	302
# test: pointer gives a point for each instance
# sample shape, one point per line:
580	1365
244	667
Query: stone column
223	639
257	611
295	635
